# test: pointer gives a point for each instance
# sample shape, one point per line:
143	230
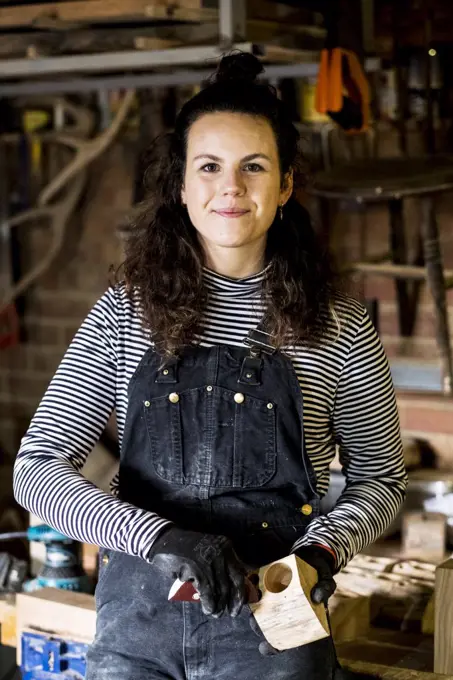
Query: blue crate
45	657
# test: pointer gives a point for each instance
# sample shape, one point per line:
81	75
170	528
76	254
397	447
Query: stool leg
407	308
323	219
436	283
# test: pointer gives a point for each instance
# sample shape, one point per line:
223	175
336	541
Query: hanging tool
342	90
62	566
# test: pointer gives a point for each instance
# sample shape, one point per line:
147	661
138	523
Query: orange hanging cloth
342	90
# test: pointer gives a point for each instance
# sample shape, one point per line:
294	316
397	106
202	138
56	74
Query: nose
232	183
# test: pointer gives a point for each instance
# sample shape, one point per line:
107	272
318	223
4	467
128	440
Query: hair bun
238	66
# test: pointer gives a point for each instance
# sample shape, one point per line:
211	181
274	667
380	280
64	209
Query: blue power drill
62	566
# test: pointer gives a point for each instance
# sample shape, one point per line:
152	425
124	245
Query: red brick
417	348
59	305
424	414
17	406
28	384
44	332
69	331
13	357
42	360
12	431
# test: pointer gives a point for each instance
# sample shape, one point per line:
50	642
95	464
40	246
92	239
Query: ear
183	196
287	187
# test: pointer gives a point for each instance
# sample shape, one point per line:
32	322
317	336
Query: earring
281	212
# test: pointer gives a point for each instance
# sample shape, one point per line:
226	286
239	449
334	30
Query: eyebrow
250	157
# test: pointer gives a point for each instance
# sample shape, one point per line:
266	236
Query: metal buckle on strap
257	339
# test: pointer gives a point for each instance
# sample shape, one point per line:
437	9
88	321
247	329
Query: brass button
248	375
306	509
209	388
174	397
239	398
269	406
105	559
165	371
265	525
147	403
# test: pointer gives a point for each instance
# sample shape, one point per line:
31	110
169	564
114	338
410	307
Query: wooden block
90	554
425	535
8	620
56	612
349	617
443	621
286	615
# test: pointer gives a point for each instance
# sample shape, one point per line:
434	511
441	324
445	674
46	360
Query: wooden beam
443	625
80	11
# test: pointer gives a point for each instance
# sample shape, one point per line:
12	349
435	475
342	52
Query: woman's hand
209	562
323	561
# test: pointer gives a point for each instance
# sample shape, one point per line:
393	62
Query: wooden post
443	627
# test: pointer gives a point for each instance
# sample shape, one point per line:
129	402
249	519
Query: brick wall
59	302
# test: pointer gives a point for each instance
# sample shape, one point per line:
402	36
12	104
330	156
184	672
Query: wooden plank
443	626
277	54
8	620
147	36
79	11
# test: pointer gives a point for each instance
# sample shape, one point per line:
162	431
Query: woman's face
232	183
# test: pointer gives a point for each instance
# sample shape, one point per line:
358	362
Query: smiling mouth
231	213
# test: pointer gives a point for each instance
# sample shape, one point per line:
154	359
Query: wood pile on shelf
84	26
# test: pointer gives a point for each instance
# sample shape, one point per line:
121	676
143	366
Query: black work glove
324	563
209	562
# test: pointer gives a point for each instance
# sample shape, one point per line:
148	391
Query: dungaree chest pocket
211	436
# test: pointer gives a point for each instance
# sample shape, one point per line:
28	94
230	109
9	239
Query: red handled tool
185	591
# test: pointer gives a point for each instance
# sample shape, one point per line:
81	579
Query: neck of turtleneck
219	285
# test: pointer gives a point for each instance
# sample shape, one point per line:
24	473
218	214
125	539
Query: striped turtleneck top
349	404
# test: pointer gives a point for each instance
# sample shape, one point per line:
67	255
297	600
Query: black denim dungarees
213	441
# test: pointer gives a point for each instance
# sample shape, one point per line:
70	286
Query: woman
235	369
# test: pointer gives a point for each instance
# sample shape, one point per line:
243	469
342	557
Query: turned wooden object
443	622
286	615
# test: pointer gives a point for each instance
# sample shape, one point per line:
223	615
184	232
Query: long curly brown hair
164	259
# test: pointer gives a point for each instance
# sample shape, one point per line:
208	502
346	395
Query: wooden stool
391	180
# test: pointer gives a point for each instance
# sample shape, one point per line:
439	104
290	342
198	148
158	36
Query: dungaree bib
214	441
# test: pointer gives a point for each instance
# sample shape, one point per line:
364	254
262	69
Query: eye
253	167
210	167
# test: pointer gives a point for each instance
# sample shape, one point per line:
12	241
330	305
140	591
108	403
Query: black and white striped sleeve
62	433
366	428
